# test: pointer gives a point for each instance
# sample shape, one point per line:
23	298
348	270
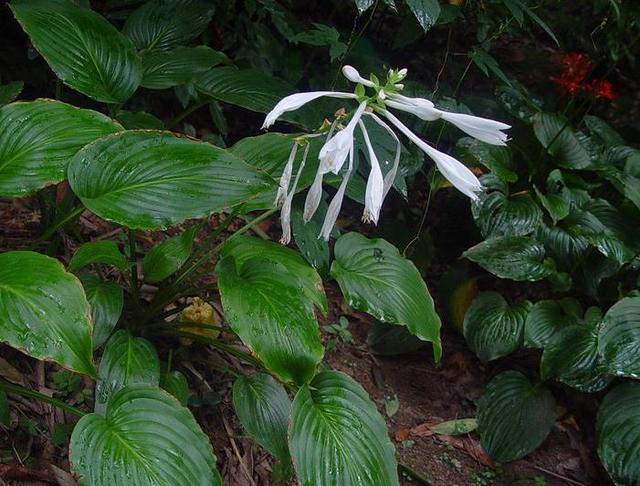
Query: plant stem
196	106
56	226
25	392
227	348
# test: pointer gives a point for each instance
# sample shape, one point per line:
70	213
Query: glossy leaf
134	120
176	383
455	427
107	301
511	257
376	279
84	50
618	433
165	69
167	257
337	436
144	438
37	139
497	214
389	340
514	417
556	135
263	408
10	91
619	338
127	360
425	11
492	327
163	24
103	251
152	180
495	158
315	250
547	318
44	311
268	308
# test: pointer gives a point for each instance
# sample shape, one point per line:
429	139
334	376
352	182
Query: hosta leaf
44	311
244	248
104	251
556	135
555	204
263	407
455	427
337	436
145	438
492	327
315	250
389	340
37	139
565	247
151	180
497	214
134	120
618	433
511	257
268	308
167	257
84	50
425	11
546	318
127	360
514	417
603	131
495	158
619	338
106	300
376	279
176	384
164	69
10	91
163	24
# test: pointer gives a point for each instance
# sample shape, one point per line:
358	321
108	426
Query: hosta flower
339	145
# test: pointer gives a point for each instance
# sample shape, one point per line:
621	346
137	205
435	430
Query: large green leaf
514	417
512	257
619	338
85	51
163	24
127	360
263	407
164	69
388	340
376	279
495	158
337	436
268	307
37	139
44	311
546	318
106	300
497	214
150	179
556	135
425	11
176	383
492	327
618	433
10	91
145	438
104	251
315	250
167	257
244	248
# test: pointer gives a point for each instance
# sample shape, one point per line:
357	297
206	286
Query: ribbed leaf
546	318
337	436
127	360
555	204
163	24
376	279
106	300
84	50
514	417
167	257
556	135
495	158
145	438
618	433
10	91
497	214
267	306
176	383
134	120
315	250
425	11
152	180
263	407
104	251
389	340
164	69
511	257
37	139
492	327
619	338
565	247
44	311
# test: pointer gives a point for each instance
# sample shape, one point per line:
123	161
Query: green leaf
263	408
44	311
315	250
495	158
322	35
555	204
103	251
455	427
152	180
337	436
145	438
514	417
84	50
134	120
548	317
618	433
166	258
485	62
268	307
127	360
363	5
425	11
603	131
492	327
244	248
619	338
388	340
10	91
556	135
176	383
376	279
165	69
498	214
512	257
163	24
37	139
107	301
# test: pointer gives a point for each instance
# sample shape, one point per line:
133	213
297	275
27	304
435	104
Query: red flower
575	67
602	89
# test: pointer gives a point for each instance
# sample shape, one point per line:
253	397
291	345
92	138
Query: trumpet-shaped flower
375	184
335	151
295	101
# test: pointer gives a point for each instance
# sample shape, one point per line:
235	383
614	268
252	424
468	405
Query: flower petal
283	185
483	129
334	152
336	203
375	183
420	107
353	75
389	177
295	101
314	195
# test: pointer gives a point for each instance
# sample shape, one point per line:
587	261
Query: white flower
353	75
336	203
295	101
283	186
390	176
285	212
335	151
375	184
